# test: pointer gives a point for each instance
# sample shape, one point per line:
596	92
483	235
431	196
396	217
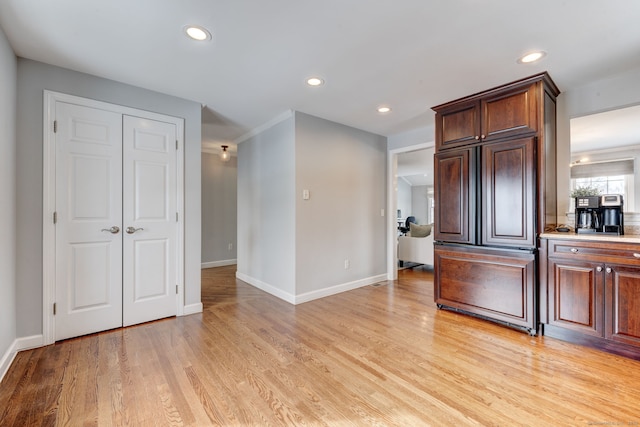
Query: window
606	184
610	177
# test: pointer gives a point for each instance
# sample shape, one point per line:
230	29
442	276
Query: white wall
607	94
8	95
266	210
219	210
345	171
33	78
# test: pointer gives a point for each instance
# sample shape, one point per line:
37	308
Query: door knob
113	230
131	230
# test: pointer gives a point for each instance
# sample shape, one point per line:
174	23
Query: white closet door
89	218
149	222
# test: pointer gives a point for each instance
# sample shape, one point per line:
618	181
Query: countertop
594	237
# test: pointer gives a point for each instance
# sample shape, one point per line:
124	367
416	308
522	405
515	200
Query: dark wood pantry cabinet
495	193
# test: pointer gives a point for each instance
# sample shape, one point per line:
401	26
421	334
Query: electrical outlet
381	212
347	264
230	246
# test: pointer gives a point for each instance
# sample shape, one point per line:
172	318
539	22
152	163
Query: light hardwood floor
378	355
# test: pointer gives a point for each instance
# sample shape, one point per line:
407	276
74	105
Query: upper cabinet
495	165
511	110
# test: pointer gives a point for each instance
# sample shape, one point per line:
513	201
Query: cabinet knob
574	250
636	255
477	137
482	137
598	269
608	270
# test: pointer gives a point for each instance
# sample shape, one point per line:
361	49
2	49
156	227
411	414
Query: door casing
49	199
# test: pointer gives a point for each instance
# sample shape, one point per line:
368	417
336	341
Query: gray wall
296	248
404	198
33	78
8	94
219	209
420	203
266	208
345	171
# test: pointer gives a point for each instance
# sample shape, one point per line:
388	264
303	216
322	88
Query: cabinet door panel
458	126
576	296
509	113
494	283
508	186
623	304
454	196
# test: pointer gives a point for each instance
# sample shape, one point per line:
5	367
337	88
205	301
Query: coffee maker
588	214
600	214
611	214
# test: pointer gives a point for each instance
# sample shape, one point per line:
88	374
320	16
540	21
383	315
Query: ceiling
605	131
407	54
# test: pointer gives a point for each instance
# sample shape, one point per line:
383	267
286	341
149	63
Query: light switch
305	195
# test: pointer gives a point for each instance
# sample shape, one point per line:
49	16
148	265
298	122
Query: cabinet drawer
497	284
604	252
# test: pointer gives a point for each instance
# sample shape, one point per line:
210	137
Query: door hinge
55	217
54	308
176	216
55	126
176	289
176	144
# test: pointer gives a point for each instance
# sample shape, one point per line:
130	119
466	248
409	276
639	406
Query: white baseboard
267	288
310	296
18	344
344	287
221	263
192	309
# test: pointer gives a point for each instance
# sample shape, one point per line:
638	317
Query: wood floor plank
379	355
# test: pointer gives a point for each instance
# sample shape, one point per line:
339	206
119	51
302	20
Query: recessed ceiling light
384	109
196	32
531	57
315	81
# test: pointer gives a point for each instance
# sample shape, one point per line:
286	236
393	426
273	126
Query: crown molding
279	118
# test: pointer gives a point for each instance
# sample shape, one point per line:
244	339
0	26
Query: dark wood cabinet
622	309
455	196
577	296
495	158
457	124
496	114
508	193
494	283
592	294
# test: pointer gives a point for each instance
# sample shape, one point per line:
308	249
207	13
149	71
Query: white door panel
88	200
113	172
150	206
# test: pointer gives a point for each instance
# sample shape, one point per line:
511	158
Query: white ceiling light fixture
315	81
384	109
532	57
196	32
225	156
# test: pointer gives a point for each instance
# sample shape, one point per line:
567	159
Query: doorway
393	203
112	244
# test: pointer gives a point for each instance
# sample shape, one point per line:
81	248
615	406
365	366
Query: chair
404	230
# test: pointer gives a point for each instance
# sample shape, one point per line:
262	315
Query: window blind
593	170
